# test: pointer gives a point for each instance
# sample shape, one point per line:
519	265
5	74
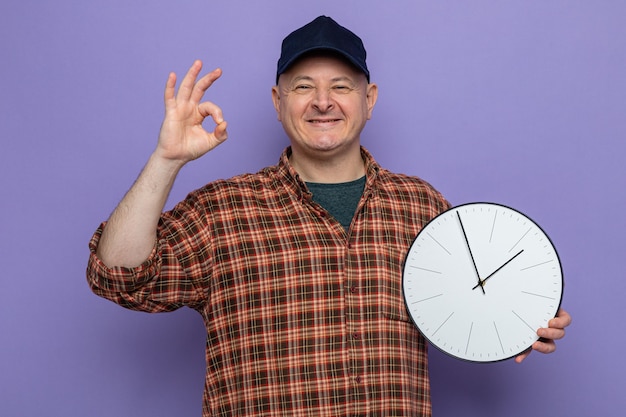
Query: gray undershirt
340	200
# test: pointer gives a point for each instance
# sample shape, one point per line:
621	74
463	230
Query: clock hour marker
469	336
522	320
539	264
538	295
444	322
498	334
426	299
520	239
493	225
424	269
437	242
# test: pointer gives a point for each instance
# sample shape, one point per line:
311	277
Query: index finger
187	85
203	84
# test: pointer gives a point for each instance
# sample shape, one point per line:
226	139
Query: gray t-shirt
340	199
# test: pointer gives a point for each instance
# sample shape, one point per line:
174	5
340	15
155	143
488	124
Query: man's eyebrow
335	79
301	78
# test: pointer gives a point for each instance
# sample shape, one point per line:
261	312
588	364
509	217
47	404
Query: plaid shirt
302	317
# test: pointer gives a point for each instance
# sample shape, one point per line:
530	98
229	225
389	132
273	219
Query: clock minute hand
482	283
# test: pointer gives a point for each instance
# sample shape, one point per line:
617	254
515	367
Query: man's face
323	104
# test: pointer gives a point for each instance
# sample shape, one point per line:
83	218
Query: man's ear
372	96
276	100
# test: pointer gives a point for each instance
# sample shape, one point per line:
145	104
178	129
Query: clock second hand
482	282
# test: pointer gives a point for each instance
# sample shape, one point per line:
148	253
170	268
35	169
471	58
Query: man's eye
302	87
341	88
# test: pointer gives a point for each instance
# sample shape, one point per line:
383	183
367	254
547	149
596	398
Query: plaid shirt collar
294	184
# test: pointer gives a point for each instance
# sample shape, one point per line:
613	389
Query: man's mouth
320	121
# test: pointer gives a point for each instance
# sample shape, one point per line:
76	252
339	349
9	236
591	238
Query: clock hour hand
480	282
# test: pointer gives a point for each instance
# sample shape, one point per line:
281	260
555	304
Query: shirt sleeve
175	274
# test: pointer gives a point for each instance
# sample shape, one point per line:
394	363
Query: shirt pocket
388	284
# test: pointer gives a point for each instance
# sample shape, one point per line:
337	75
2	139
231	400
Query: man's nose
323	100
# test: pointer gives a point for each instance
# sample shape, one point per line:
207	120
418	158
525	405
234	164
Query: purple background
517	102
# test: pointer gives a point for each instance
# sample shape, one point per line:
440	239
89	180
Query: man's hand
554	331
182	137
129	235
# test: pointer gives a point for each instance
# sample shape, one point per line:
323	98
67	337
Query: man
295	270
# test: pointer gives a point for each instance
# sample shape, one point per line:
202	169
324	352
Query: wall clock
480	279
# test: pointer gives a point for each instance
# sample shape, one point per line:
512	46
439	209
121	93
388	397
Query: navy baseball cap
322	34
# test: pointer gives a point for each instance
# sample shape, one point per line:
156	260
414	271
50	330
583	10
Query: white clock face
480	279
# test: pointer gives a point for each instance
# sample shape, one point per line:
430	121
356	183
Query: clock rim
404	265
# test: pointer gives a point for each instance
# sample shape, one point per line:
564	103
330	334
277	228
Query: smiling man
295	270
323	103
